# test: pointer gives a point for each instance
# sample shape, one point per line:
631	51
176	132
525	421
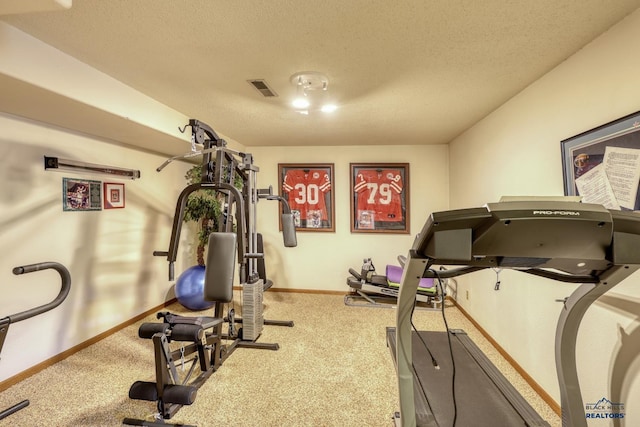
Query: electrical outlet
466	294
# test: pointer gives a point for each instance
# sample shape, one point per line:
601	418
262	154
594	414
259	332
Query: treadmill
566	241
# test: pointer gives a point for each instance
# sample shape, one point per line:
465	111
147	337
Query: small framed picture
307	187
113	195
81	195
379	198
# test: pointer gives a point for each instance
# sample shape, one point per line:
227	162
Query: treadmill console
576	238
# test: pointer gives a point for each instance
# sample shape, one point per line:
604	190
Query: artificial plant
204	207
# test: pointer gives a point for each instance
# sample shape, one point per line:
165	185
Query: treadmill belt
483	396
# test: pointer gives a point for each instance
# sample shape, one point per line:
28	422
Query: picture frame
81	195
379	201
308	188
602	165
113	195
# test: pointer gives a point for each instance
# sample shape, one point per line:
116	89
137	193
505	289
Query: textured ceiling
402	72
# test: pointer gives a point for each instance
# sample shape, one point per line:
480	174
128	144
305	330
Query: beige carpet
333	369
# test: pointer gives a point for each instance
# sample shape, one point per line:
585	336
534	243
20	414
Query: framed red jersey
379	197
308	188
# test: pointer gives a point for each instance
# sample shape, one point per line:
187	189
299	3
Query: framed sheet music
602	165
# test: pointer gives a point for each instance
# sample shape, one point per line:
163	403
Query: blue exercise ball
190	289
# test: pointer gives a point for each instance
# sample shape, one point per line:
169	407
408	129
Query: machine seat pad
205	322
379	280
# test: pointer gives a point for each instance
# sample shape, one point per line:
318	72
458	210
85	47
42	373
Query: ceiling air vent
263	88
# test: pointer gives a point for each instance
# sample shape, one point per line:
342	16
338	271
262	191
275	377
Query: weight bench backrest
220	265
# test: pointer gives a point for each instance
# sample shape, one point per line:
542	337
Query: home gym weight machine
236	237
27	314
220	165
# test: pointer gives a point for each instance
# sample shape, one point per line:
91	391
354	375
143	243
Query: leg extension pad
179	394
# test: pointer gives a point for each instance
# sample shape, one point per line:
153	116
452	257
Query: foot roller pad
184	332
143	390
148	330
134	422
180	394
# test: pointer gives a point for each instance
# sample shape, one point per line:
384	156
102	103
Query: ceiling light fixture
311	89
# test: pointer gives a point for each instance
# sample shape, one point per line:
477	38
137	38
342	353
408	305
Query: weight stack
252	319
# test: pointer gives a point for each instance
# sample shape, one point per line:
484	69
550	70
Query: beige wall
322	260
516	151
108	252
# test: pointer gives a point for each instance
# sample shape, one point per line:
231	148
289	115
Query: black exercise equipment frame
214	178
210	346
219	167
204	336
5	322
